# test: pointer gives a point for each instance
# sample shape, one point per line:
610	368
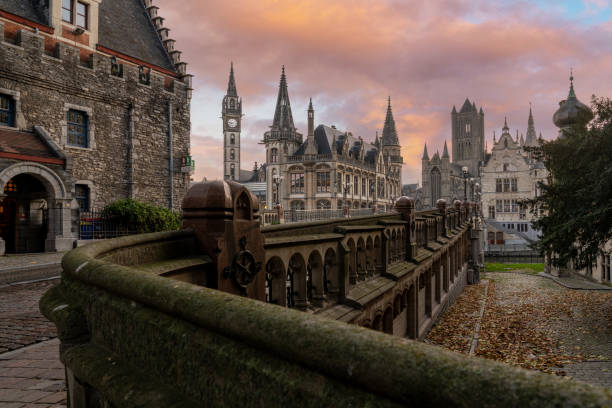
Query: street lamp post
464	169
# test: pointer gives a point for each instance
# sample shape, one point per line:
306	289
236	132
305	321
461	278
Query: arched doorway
36	213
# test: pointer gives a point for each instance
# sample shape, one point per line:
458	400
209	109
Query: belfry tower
231	113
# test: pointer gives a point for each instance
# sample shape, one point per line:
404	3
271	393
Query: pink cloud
350	54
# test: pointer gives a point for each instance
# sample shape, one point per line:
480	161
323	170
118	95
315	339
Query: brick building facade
94	107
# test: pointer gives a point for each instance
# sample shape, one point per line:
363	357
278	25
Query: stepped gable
35	10
126	27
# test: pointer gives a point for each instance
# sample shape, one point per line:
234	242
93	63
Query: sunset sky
349	55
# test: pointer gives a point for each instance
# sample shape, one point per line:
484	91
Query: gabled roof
325	136
15	144
125	26
28	9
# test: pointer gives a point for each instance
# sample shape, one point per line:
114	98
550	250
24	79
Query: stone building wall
51	82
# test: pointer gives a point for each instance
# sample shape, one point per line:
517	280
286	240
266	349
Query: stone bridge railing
225	313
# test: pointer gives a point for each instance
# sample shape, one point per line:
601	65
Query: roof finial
572	94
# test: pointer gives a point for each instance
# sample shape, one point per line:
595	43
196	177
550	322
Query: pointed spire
494	137
530	140
231	84
445	151
481	111
454	109
571	94
283	119
425	155
310	105
389	136
474	106
505	128
467	106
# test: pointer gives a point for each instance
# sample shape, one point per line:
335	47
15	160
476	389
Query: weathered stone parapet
182	344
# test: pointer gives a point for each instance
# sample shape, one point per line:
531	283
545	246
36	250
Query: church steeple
389	136
425	155
283	119
231	84
531	139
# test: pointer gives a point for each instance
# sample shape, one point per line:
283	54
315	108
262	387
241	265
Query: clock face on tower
232	123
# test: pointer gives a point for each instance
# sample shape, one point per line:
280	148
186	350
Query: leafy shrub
142	217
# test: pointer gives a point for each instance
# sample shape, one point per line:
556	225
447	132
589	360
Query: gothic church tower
392	151
468	136
231	113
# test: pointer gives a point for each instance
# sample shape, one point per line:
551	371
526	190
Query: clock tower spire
231	113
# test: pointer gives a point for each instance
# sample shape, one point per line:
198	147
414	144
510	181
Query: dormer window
75	12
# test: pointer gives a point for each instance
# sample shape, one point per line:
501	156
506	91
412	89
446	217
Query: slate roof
25	143
35	10
124	26
324	137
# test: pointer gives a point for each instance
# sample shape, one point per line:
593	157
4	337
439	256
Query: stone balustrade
226	313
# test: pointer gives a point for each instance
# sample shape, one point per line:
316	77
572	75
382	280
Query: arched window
232	154
232	172
273	155
436	185
232	139
232	104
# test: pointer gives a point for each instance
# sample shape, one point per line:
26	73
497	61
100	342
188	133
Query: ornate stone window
233	172
273	155
297	182
323	205
297	205
232	154
77	128
498	185
82	197
232	138
7	111
506	185
323	182
514	185
356	184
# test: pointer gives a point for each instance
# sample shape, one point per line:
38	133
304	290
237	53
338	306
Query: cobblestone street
21	323
31	375
535	323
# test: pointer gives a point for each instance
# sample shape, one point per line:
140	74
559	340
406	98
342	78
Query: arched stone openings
352	269
370	266
297	283
445	279
438	281
315	287
388	320
331	275
361	259
393	246
428	290
276	282
59	226
412	312
377	255
377	323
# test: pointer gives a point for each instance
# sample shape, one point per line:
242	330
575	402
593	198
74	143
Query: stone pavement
29	267
21	323
32	377
576	282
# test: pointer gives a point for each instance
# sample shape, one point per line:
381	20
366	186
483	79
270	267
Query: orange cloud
350	54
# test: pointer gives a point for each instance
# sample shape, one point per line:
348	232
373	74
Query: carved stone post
457	205
224	216
441	204
405	206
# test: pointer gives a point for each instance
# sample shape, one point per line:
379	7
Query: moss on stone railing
175	341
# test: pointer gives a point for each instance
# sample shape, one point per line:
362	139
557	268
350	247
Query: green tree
575	207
